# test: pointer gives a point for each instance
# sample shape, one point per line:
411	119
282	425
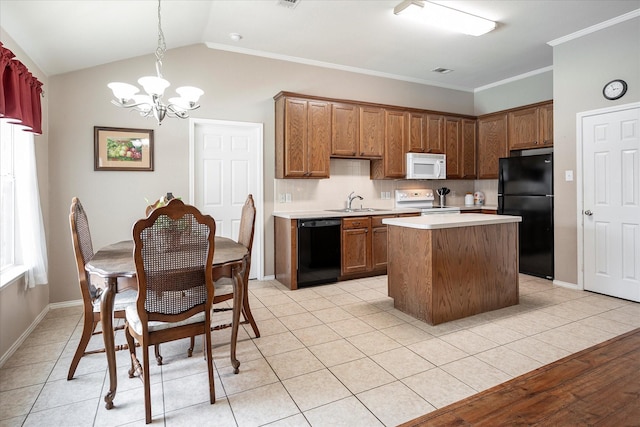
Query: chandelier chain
162	46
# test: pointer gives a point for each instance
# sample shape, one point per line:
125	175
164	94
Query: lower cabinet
364	245
356	245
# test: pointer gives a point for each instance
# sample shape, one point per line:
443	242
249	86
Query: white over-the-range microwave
426	166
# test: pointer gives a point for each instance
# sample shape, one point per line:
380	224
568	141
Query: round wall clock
615	89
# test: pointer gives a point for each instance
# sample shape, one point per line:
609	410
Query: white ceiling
362	35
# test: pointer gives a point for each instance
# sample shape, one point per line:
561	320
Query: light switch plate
287	197
568	175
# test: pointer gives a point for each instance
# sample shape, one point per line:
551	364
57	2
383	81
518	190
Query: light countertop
378	211
331	214
431	222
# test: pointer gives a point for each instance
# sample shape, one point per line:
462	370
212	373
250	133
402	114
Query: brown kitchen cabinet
531	127
356	245
303	138
416	132
379	242
371	131
460	148
344	129
393	164
492	144
435	142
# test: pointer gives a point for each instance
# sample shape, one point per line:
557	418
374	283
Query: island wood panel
286	248
596	386
446	274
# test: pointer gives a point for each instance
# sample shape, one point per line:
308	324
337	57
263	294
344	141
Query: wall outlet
281	198
382	193
388	195
287	197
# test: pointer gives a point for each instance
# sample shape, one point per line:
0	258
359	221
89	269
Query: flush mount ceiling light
151	104
445	17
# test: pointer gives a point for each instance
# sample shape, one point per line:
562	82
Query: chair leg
212	389
246	313
191	345
87	331
158	355
147	386
132	352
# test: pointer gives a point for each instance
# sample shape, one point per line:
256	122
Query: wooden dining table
114	270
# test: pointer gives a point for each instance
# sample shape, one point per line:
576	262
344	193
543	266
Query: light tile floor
329	355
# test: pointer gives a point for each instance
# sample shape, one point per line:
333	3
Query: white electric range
422	199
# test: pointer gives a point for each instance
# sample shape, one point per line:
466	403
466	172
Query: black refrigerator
525	188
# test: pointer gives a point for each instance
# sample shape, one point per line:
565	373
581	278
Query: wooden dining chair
173	253
224	283
83	251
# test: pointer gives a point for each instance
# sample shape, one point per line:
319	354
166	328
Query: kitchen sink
356	210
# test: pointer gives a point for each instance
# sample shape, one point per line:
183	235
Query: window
23	246
7	197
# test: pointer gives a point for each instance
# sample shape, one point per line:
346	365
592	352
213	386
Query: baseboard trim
566	285
16	345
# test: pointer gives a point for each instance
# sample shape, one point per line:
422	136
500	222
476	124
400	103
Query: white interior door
611	203
226	167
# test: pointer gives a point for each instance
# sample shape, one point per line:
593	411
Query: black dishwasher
318	251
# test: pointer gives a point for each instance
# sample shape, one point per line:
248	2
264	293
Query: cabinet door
379	248
468	152
492	144
523	128
355	250
417	132
319	139
344	129
394	144
453	139
546	124
371	132
435	134
295	138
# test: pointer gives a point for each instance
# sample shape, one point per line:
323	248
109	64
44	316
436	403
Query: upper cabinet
460	148
303	138
344	129
492	144
393	164
435	134
531	127
371	135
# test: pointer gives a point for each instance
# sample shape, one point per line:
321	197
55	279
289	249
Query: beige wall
524	91
581	69
20	306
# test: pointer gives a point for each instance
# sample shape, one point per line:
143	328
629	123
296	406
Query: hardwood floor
599	386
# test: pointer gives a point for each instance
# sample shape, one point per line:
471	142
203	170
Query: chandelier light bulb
123	91
190	93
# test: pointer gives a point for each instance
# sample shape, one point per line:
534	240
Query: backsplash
349	175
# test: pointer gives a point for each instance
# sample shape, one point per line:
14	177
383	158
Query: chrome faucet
350	198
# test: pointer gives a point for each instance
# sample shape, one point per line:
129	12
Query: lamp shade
190	93
123	91
154	85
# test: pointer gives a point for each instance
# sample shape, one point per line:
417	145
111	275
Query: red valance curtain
19	93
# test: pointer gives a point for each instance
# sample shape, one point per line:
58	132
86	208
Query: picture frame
122	149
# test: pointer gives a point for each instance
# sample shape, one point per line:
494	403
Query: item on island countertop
478	198
468	199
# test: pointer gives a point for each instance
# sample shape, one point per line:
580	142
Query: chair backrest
247	223
82	248
173	252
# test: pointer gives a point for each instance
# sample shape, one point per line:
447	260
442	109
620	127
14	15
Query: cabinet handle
535	142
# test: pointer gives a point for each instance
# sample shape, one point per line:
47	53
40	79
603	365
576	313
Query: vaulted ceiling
361	35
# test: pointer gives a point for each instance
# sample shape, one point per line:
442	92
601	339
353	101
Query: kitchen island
449	266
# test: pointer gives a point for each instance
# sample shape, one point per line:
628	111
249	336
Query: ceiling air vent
442	70
289	4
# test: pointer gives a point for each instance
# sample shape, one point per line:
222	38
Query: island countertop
432	222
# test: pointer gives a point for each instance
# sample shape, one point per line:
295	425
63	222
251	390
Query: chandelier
151	104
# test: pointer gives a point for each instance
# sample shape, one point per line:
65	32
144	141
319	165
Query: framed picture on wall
122	149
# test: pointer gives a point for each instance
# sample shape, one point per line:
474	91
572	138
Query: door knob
588	213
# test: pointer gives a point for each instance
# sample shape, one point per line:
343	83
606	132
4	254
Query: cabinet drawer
376	221
356	222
